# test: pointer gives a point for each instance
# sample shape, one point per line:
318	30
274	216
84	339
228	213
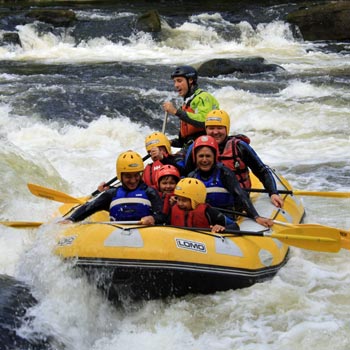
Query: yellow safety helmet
129	162
157	139
192	189
218	117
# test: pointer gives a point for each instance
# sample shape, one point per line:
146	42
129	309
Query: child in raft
167	178
191	210
159	148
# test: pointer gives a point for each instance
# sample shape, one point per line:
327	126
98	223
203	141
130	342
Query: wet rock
149	22
58	18
10	38
224	66
323	22
15	299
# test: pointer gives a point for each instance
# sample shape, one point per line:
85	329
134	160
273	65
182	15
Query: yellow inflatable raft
137	262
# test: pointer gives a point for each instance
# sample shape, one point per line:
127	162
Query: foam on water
199	38
301	128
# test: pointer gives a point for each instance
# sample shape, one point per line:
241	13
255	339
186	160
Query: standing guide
196	105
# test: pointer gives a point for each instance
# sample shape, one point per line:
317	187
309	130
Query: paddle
304	193
21	224
231	211
32	224
54	195
165	122
65	198
62	197
111	181
305	236
313	236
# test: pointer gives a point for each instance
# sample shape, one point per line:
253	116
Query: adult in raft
196	105
223	189
132	200
236	154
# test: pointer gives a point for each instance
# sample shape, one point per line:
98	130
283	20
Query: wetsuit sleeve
157	205
258	168
215	217
189	163
102	202
175	160
231	183
188	117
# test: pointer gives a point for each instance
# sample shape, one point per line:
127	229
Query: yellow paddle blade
21	224
322	194
54	195
312	236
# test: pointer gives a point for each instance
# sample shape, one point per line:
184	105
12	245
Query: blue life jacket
217	194
130	205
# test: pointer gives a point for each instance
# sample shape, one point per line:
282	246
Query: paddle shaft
165	122
304	193
62	197
34	224
305	236
234	212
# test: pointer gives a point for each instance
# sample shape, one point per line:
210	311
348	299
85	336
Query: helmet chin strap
191	89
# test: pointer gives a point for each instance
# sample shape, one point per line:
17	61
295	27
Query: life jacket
150	172
230	158
166	202
217	194
130	205
192	218
187	129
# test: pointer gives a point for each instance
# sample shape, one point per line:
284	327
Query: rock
323	22
149	22
222	66
58	18
10	38
15	299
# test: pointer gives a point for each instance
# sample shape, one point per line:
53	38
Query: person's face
205	158
184	203
181	86
156	153
218	132
167	184
131	180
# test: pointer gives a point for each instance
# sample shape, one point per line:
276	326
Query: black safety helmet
185	71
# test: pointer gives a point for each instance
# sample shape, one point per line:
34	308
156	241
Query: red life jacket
192	218
230	158
149	174
166	202
188	129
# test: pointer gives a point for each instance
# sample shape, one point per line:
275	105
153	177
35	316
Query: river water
72	99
